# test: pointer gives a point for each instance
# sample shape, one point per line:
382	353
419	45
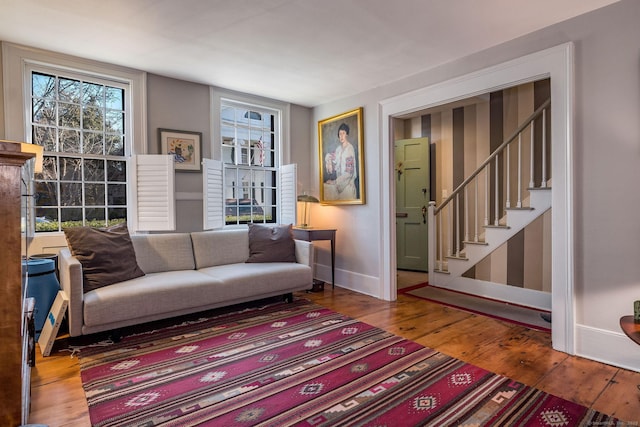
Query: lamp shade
307	198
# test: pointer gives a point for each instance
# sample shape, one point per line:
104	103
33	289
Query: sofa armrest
70	271
304	252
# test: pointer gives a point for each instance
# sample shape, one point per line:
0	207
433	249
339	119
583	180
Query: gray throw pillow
271	243
106	254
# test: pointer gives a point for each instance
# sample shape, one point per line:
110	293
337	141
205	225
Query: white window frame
17	63
283	152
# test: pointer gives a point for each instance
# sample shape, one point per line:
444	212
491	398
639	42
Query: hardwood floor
519	353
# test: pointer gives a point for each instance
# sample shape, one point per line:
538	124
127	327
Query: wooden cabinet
14	371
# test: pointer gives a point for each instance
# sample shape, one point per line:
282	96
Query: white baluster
466	214
450	245
475	221
531	182
496	220
519	202
457	218
440	242
507	176
543	182
486	195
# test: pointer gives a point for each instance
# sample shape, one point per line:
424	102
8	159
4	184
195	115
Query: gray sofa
184	273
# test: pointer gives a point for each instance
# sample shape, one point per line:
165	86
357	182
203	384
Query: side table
311	234
631	328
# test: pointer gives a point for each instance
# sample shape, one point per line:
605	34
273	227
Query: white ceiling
307	52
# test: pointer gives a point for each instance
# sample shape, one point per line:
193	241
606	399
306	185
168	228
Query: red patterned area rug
301	364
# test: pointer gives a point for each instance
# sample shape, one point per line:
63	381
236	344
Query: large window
80	122
250	147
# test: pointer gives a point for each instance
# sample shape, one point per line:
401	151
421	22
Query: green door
412	200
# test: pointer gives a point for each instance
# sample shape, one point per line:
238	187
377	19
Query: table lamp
306	199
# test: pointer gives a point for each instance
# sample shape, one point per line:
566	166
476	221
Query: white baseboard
612	348
361	283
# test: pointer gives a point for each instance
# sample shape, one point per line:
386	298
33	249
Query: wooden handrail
502	146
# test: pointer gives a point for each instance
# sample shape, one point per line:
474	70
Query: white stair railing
449	241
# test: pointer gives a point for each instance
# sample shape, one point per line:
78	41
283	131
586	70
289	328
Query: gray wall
181	105
606	163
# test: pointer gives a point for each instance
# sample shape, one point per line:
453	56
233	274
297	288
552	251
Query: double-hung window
250	141
81	123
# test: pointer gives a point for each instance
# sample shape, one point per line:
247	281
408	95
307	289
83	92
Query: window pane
93	142
70	169
43	86
93	118
228	154
114	145
227	114
117	215
96	217
68	115
117	194
49	169
46	219
45	136
228	135
93	94
114	98
267	140
46	194
71	217
70	194
94	195
69	141
94	170
114	121
116	171
242	139
43	112
69	90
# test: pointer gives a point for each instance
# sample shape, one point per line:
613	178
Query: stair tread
469	242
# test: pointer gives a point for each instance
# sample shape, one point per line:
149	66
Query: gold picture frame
185	146
341	157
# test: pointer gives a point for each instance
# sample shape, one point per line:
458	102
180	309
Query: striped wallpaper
462	136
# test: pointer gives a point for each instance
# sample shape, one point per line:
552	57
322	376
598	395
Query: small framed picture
341	143
184	146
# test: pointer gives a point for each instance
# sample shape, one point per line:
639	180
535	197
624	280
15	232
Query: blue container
43	286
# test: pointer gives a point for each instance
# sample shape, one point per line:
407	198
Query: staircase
509	190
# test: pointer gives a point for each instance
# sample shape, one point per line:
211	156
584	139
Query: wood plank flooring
519	353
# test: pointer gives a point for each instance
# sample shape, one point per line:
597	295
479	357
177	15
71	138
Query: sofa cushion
155	293
220	247
271	243
106	254
164	252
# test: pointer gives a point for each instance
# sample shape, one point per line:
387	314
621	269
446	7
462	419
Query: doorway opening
555	64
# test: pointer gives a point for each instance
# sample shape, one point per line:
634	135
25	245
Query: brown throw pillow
106	254
271	243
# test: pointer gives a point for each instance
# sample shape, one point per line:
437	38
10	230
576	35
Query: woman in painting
343	163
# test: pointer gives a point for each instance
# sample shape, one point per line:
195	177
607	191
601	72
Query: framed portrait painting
184	146
341	155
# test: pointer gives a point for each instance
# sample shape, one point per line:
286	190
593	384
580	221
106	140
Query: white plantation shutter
213	215
154	192
288	197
